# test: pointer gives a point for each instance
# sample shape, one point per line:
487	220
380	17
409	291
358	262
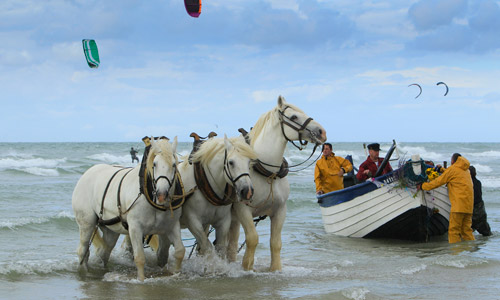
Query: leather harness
146	187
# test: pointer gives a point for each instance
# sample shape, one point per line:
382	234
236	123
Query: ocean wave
490	182
355	293
32	267
13	163
489	154
455	261
424	154
18	223
413	270
112	159
482	168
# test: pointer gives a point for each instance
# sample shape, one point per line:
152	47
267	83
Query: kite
445	86
91	53
418	87
193	7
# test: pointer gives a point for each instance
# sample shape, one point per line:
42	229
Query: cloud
450	38
430	14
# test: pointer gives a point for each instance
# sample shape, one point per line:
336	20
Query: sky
347	63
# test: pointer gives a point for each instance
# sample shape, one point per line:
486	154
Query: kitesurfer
479	216
370	166
461	193
133	153
329	171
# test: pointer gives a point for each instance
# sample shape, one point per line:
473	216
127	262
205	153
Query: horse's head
162	167
237	158
296	125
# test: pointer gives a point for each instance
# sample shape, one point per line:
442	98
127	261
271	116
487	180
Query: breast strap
206	189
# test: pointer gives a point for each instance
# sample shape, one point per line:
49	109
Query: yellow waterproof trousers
460	227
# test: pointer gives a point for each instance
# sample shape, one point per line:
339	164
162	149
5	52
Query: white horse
269	138
105	194
226	163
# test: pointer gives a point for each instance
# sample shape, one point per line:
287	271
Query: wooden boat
386	207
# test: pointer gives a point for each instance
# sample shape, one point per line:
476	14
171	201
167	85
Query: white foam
413	270
489	154
21	164
113	159
17	222
490	182
28	267
41	171
356	293
424	154
482	168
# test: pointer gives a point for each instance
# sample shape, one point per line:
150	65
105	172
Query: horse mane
210	148
272	117
163	148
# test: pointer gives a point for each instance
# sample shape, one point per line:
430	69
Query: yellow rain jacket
460	188
326	172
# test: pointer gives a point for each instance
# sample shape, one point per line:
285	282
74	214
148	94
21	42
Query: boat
388	206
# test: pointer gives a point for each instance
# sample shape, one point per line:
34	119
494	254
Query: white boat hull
386	211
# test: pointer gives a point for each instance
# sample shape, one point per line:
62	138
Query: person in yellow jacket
461	194
329	171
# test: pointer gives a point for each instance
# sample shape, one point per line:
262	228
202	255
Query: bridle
171	182
227	171
285	120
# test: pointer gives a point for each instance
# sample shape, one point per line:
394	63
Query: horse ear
174	144
281	101
227	142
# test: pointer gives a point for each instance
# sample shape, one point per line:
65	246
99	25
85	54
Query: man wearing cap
370	166
330	170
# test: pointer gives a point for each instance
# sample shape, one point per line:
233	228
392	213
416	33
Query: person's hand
341	172
419	187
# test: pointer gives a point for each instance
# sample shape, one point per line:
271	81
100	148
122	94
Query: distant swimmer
133	153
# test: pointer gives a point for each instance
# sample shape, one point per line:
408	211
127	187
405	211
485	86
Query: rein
284	168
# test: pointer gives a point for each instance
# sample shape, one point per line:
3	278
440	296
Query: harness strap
282	172
105	192
119	218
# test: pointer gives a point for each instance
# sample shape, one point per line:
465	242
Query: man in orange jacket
330	170
461	193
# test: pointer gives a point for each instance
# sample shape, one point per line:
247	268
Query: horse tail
98	241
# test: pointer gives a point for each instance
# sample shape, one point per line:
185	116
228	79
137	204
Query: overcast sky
347	63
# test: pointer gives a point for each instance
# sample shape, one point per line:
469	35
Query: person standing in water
479	216
133	153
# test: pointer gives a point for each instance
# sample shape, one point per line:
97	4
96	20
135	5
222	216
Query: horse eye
154	164
231	163
294	117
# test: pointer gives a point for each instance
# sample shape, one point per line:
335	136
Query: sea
39	238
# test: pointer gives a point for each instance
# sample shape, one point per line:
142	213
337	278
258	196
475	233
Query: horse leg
163	249
221	234
233	237
277	221
109	239
198	231
137	246
251	237
86	228
174	236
